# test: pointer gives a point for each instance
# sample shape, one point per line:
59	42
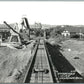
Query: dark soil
58	59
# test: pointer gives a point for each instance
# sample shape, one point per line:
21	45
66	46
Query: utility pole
44	34
80	34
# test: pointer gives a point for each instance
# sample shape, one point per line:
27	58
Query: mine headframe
18	37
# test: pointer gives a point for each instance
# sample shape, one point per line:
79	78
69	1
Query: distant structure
74	31
81	34
0	39
65	33
44	34
37	25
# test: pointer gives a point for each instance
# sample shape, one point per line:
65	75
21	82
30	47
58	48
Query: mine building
66	33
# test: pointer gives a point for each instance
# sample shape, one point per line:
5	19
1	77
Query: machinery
18	39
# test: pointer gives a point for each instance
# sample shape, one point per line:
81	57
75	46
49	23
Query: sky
46	12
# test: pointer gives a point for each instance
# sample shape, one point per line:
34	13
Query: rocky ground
13	62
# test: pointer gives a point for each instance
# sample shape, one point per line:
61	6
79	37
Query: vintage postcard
41	42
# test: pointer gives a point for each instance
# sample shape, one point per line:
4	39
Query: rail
28	73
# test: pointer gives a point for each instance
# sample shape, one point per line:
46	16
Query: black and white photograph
41	42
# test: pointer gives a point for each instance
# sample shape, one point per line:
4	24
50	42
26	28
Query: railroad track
39	70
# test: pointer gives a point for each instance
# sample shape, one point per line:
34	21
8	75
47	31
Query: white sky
46	12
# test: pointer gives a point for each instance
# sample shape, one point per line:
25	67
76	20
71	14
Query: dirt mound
13	61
